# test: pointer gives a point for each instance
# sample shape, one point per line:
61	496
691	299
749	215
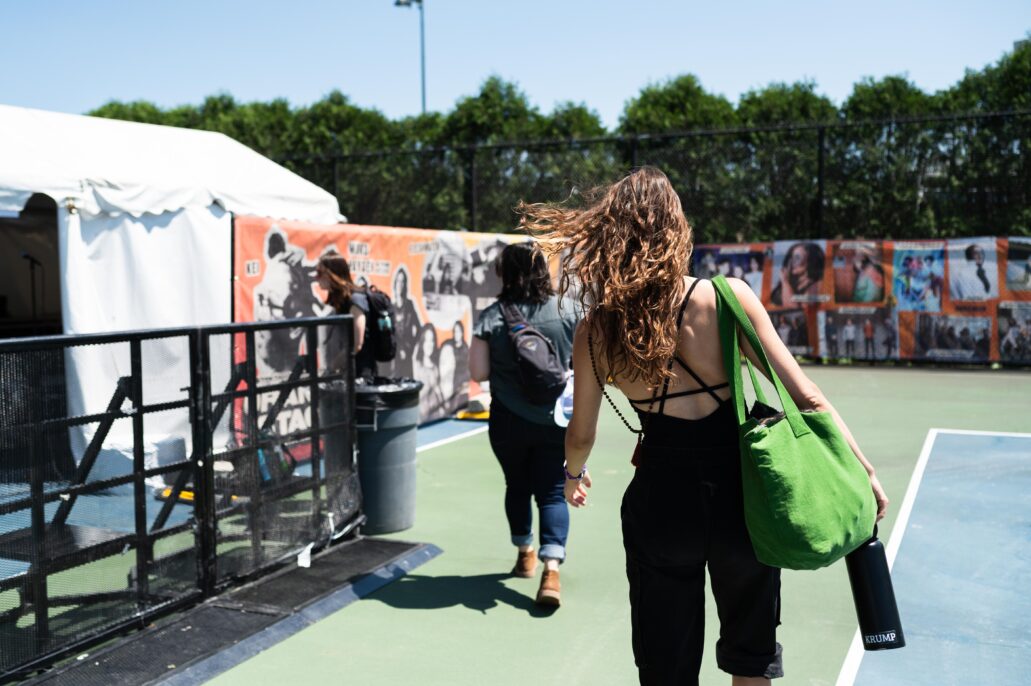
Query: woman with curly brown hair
651	330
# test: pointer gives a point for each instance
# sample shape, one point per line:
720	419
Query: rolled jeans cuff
552	551
525	539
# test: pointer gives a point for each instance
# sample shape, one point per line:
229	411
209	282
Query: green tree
499	112
680	104
987	184
701	167
568	161
334	125
893	179
777	179
534	168
138	111
878	175
571	120
423	181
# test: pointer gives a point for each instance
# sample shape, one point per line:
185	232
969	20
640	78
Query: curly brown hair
627	250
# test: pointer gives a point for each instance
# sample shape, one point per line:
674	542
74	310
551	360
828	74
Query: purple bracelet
570	477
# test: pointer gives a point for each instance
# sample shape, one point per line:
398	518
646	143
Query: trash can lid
382	384
383	393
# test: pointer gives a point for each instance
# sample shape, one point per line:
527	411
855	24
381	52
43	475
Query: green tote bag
808	500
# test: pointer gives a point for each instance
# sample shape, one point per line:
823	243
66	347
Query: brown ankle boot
526	564
548	594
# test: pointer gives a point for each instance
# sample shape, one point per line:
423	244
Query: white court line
971	432
452	439
850	668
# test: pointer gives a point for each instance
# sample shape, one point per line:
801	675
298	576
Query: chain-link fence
899	178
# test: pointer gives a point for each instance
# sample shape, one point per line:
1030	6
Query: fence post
633	152
254	447
143	543
472	188
319	475
821	151
40	568
203	467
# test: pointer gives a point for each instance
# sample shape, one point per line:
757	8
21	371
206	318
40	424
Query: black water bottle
872	591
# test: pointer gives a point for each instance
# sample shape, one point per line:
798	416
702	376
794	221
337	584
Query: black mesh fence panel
139	471
279	484
85	543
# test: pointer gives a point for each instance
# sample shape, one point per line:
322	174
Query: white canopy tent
144	217
147	207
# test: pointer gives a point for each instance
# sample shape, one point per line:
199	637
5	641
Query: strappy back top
715	429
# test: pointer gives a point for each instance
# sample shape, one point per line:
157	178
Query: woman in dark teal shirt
523	435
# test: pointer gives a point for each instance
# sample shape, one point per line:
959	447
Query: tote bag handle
731	315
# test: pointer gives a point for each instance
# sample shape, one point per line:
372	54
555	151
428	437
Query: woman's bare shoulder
745	295
703	296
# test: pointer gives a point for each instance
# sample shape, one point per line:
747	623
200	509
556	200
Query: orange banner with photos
951	301
439	282
965	300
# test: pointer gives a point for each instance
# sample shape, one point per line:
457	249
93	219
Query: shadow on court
479	592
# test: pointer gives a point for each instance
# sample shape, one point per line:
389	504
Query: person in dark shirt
868	343
830	330
889	338
523	435
343	295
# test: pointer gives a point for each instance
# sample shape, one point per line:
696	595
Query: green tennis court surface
460	619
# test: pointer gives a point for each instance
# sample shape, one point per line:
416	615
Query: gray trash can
387	418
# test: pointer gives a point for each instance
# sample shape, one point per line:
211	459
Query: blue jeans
532	457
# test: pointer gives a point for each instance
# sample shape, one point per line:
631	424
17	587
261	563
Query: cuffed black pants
681	513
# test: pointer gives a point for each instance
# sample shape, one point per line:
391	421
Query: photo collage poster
961	300
439	282
957	300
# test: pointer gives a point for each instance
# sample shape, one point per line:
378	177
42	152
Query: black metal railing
141	472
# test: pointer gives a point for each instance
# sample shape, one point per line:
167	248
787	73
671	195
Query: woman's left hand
576	490
882	499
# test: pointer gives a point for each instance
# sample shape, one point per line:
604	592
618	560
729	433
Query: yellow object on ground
469	414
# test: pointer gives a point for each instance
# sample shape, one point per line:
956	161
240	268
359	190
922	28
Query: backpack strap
514	319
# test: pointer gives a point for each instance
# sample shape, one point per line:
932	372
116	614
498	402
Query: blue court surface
961	553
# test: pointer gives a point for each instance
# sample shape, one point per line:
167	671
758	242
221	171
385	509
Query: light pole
422	43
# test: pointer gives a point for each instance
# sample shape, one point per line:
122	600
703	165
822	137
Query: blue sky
74	56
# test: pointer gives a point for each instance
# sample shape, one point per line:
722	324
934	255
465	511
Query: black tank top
663	433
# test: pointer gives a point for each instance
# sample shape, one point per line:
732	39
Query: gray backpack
541	372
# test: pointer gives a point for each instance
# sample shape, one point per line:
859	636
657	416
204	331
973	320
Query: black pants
681	513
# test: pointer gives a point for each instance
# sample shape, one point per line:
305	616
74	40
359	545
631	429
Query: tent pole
232	267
